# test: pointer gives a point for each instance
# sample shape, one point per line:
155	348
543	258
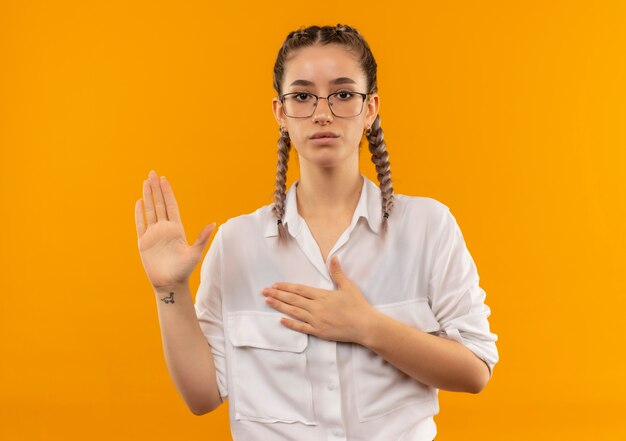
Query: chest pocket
269	369
380	387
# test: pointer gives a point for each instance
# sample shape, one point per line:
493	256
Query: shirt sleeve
456	298
208	306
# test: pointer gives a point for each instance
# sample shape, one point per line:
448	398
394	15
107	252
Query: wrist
369	328
175	288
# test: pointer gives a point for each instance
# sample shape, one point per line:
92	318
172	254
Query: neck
328	193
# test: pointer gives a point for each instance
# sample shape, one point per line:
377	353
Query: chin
327	156
326	160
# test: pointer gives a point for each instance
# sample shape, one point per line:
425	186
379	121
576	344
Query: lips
324	135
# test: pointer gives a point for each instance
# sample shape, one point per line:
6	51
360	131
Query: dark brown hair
351	39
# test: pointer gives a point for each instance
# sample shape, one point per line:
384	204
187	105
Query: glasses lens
343	104
299	105
346	104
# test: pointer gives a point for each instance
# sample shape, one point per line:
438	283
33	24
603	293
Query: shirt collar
369	207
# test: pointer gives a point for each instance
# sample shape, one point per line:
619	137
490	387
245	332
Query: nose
322	111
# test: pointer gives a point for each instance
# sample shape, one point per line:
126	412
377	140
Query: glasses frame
317	99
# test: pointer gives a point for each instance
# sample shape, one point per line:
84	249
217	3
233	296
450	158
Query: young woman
338	311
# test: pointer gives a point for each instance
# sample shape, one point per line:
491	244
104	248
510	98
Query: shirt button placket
333	393
329	387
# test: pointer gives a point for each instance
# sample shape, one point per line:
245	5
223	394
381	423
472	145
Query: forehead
321	64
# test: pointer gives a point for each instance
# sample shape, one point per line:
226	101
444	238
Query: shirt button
331	387
337	432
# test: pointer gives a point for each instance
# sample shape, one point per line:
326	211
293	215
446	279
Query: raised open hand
165	254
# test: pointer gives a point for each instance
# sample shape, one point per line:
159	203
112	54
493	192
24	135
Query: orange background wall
511	113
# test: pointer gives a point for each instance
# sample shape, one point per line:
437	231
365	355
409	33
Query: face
320	66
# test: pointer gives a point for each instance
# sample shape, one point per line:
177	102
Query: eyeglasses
343	104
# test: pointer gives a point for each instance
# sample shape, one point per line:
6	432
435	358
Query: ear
277	109
372	104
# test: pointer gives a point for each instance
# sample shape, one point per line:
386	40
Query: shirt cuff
454	334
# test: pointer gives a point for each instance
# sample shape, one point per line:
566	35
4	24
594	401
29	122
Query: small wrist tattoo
169	299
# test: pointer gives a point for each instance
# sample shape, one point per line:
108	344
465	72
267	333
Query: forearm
436	361
187	354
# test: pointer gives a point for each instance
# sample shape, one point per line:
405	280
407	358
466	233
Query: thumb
203	237
336	272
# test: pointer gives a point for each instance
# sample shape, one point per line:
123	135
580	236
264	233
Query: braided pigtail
380	158
284	146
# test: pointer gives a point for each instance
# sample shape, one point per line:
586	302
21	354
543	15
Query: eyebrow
340	80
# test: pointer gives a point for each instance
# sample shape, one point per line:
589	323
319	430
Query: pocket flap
264	330
413	312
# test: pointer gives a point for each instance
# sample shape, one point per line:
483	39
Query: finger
292	311
298	326
171	206
288	297
139	222
148	204
203	237
302	290
159	202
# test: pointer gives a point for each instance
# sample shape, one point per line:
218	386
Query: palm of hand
165	254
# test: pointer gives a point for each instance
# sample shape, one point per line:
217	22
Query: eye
344	95
301	96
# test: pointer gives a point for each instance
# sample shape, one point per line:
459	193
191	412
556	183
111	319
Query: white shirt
286	385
